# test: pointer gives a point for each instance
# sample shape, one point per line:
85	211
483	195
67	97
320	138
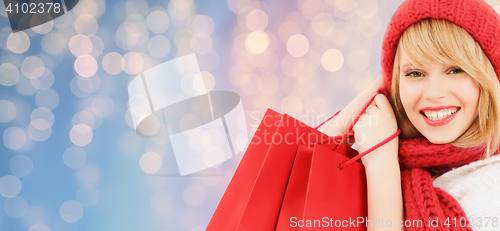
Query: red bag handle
327	120
343	137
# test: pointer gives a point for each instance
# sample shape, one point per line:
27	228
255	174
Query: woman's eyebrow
407	66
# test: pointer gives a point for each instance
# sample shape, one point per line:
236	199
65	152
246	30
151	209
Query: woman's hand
385	200
375	125
338	125
382	168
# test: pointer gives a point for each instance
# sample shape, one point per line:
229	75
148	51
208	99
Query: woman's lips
441	121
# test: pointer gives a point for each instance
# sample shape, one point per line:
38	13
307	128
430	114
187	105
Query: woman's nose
435	88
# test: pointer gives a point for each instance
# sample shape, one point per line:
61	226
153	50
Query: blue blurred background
69	156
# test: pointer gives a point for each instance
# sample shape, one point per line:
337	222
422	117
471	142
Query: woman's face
441	100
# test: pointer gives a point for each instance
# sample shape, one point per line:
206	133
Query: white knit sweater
476	187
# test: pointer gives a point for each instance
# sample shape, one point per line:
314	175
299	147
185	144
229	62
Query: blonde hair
438	40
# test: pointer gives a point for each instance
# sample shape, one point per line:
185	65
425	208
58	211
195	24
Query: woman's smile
438	116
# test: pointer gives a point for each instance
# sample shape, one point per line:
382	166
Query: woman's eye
456	71
414	74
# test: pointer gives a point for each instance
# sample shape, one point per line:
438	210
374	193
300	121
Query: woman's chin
440	139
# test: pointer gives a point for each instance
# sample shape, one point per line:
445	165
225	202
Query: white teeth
441	114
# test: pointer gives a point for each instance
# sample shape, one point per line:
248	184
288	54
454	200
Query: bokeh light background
69	157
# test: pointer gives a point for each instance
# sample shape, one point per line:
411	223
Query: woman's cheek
408	98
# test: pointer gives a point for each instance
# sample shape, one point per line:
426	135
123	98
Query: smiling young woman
441	62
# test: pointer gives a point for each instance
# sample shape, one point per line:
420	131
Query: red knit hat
475	16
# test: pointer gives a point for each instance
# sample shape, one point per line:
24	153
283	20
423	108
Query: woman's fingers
370	109
350	140
382	102
379	103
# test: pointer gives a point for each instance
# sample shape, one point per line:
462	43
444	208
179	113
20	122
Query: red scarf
422	201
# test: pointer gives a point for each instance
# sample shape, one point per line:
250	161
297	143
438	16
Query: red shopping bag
296	189
336	198
253	198
307	178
